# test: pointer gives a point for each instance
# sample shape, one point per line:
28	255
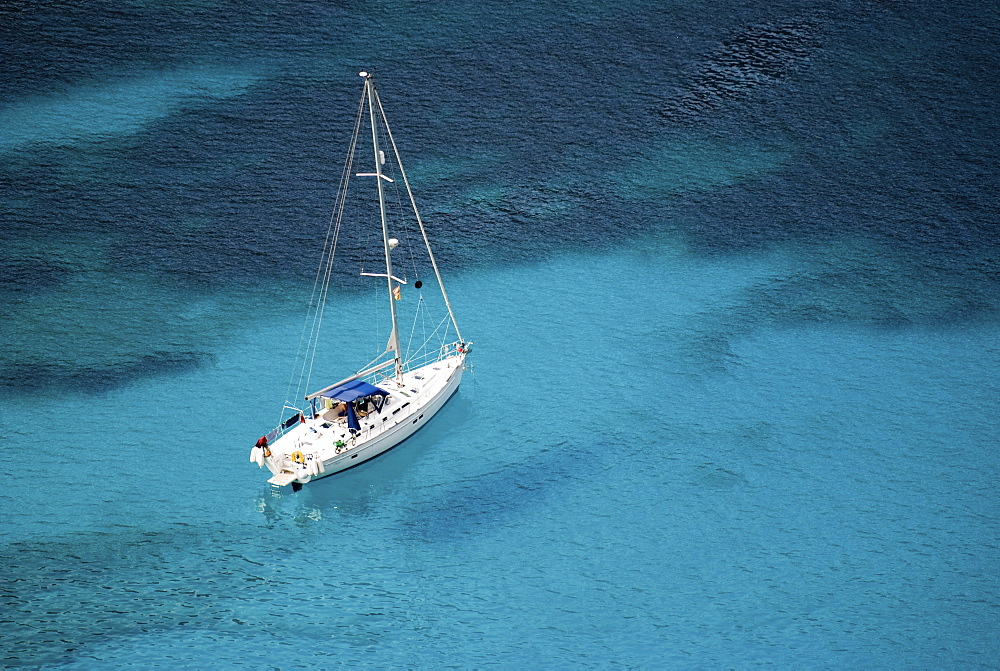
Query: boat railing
433	355
375	374
285	426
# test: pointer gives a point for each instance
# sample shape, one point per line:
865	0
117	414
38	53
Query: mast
394	338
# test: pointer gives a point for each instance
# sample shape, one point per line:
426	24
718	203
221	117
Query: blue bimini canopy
353	390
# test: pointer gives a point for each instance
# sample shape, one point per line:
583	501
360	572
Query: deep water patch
754	57
53	377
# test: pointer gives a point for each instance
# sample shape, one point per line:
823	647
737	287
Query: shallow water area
770	473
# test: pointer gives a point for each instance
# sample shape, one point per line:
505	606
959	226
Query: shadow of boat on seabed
499	497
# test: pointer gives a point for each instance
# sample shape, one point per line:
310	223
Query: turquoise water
733	399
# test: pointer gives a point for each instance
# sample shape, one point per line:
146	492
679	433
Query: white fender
313	470
260	457
320	465
253	454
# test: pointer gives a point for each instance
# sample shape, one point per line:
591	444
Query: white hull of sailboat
322	445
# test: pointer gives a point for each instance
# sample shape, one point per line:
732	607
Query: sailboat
367	413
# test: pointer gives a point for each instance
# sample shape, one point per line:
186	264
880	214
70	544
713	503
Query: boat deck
323	444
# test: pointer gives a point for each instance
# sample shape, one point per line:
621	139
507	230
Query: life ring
267	451
339	449
298	457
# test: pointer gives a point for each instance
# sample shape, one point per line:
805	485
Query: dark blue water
731	271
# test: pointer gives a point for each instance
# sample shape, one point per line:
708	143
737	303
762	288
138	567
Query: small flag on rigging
395	292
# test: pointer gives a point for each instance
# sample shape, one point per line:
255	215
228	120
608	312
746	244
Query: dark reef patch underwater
731	271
